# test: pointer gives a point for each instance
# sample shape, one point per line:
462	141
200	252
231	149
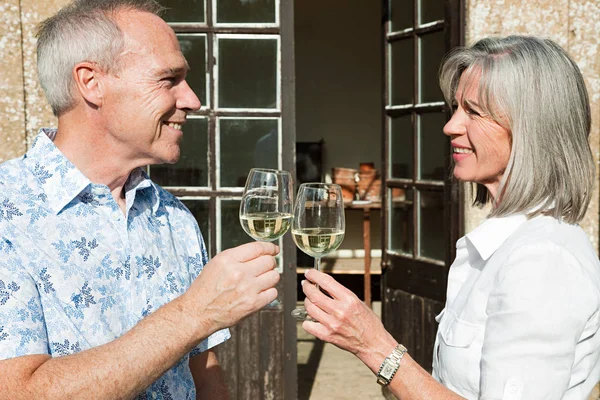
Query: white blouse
522	313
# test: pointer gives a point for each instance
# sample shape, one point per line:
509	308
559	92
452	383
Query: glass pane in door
401	221
193	48
184	10
245	11
432	52
434	146
231	231
401	147
247	73
402	75
432	225
192	167
401	14
431	10
199	208
245	144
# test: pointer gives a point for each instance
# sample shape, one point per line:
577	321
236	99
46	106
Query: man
101	295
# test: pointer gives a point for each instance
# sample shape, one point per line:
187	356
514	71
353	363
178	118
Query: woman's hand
343	319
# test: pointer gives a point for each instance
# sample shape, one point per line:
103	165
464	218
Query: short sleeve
22	324
539	307
212	341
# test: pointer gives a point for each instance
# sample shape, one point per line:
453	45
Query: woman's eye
470	111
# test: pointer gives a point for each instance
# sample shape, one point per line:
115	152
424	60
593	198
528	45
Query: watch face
387	371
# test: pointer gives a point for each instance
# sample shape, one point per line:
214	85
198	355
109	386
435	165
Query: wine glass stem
318	266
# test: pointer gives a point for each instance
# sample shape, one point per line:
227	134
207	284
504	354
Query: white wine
266	226
318	242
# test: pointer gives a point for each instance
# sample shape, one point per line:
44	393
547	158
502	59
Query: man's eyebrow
173	71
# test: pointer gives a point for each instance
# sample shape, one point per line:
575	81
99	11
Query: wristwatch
390	365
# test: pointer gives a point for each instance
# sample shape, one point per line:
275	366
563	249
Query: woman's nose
455	126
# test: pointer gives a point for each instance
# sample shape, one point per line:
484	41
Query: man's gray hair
533	88
84	30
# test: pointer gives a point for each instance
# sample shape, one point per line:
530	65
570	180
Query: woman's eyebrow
472	104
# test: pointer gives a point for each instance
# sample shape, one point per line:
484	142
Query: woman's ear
88	81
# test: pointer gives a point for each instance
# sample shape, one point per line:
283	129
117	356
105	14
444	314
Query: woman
522	312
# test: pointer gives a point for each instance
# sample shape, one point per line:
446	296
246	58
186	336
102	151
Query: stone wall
574	24
22	103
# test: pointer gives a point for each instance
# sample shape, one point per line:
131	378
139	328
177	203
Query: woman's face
480	146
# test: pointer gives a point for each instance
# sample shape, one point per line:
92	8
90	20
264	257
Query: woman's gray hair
533	88
84	30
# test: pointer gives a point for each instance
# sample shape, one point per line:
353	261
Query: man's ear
88	80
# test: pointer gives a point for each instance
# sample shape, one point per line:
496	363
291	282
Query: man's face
146	99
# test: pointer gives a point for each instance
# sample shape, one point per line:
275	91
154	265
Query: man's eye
171	80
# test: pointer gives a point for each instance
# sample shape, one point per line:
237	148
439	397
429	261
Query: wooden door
421	201
241	59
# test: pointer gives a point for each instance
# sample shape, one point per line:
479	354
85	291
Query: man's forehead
147	36
145	28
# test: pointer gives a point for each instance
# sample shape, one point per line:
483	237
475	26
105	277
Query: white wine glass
318	225
266	206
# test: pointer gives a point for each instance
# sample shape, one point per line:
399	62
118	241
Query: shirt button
116	216
154	395
512	389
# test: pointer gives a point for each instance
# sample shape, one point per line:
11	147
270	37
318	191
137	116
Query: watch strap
391	361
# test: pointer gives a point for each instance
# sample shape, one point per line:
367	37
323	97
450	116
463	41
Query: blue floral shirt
75	272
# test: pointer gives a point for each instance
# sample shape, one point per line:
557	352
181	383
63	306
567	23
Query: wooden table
366	207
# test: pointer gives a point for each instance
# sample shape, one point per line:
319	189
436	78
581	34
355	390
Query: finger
266	296
317	297
317	313
316	329
250	251
267	280
328	283
260	265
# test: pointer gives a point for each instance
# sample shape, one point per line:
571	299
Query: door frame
419	280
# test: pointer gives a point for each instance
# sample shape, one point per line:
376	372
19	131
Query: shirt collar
62	181
492	232
59	178
139	180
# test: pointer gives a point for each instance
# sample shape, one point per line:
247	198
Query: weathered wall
12	98
574	24
22	103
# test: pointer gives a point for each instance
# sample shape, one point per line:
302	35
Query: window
234	52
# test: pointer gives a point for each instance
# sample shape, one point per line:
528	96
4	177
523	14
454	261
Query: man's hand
234	284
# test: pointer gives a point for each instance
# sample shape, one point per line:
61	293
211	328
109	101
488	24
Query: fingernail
302	282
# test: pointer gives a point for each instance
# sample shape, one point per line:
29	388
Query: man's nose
187	99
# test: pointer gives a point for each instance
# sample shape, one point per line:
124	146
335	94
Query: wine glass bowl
318	225
266	206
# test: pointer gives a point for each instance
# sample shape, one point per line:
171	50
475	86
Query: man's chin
166	159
